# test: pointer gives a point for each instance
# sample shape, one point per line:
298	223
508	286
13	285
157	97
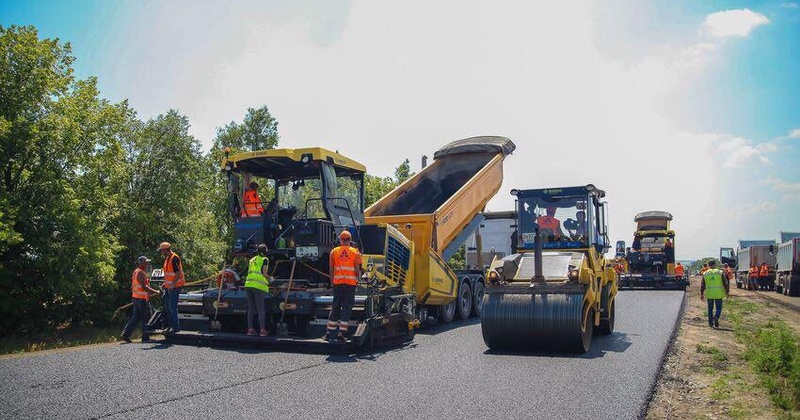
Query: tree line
86	186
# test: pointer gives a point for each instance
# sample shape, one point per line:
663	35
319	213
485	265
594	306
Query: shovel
283	329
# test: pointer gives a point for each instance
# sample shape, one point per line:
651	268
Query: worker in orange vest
763	276
752	278
345	269
679	270
174	279
549	223
140	300
704	269
252	202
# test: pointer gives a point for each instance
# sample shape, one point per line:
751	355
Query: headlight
573	275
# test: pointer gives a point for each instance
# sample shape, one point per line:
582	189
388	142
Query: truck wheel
464	300
477	298
447	312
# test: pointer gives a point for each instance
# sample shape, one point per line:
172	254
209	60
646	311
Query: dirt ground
704	375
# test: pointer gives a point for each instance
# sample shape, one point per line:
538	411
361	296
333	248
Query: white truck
788	271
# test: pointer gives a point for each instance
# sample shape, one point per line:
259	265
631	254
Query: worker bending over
345	269
714	287
140	300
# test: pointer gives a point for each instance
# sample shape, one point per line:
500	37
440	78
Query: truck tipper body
787	273
437	209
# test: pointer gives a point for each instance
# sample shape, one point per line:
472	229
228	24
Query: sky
684	106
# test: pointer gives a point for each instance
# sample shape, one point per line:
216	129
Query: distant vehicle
788	270
748	253
651	258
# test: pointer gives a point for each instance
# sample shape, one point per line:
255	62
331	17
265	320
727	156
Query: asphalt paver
447	373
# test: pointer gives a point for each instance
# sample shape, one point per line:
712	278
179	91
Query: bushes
774	352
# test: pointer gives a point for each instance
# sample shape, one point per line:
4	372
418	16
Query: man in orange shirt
345	268
763	276
252	202
752	278
549	223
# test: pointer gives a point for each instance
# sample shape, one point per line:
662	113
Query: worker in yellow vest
256	286
345	269
140	300
714	287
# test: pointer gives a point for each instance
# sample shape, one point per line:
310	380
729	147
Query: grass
62	338
772	350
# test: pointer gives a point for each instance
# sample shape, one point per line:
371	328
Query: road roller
557	289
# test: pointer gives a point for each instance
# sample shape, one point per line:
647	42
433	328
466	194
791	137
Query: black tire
477	298
464	306
447	312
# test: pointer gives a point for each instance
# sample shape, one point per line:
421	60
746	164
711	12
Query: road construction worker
257	288
174	279
704	269
714	287
752	278
549	223
727	272
140	300
669	251
763	276
679	271
345	269
252	202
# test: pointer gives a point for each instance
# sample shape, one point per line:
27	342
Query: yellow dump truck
437	209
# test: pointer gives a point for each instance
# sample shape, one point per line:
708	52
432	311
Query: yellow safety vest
714	287
255	279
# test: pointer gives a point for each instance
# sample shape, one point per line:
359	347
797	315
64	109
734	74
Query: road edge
670	349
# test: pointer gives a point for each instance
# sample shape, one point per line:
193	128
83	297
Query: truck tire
464	306
477	298
447	312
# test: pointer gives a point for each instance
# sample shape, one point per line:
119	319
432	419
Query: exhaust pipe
538	277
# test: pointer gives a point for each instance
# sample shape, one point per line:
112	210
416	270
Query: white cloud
780	185
790	5
794	134
738	152
730	23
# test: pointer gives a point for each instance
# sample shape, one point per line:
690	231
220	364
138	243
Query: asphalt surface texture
446	373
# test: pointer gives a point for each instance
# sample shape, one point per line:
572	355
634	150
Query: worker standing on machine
140	300
174	279
714	287
252	202
345	269
257	287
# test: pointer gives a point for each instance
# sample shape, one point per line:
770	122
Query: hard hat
163	246
143	259
345	235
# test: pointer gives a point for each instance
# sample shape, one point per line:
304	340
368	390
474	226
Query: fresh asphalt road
446	373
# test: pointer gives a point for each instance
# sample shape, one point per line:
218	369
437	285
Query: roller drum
533	322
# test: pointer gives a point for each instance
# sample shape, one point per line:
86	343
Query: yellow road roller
558	288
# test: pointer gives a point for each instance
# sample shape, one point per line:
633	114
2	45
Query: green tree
258	131
403	172
60	183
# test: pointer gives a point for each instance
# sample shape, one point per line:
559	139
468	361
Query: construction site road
446	373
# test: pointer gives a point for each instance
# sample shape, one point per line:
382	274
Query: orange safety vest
252	204
679	270
764	271
173	280
548	222
345	260
703	270
137	291
753	273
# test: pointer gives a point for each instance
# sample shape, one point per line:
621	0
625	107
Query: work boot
716	322
126	339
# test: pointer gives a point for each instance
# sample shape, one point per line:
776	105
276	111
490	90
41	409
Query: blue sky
683	106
